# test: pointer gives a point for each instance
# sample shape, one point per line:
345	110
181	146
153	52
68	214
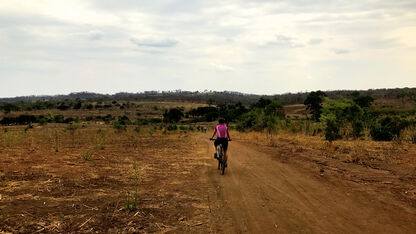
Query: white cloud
315	41
95	35
340	51
285	41
222	67
154	42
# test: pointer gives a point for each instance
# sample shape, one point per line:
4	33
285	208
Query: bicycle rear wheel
222	163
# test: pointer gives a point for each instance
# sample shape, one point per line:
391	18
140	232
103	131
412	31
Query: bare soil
281	189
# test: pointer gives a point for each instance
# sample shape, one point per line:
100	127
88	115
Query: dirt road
260	194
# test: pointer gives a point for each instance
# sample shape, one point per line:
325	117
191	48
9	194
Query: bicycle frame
221	157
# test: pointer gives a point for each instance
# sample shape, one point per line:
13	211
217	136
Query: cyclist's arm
215	131
228	134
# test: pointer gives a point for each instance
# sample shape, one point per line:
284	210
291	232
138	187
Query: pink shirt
221	131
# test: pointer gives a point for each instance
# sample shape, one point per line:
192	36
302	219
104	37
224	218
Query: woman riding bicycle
223	136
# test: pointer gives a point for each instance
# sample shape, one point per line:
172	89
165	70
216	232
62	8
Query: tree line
341	118
215	97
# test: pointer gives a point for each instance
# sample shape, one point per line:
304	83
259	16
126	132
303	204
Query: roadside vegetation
353	116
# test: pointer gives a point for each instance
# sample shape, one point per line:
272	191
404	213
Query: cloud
222	67
95	35
285	41
153	42
340	51
15	19
315	41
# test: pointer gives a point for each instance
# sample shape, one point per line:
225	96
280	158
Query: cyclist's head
221	121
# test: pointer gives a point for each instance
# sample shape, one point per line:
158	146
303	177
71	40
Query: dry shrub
13	137
409	135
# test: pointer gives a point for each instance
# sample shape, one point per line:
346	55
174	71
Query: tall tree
314	103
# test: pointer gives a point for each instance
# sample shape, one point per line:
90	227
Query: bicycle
220	157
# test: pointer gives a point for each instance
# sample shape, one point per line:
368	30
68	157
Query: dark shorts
223	141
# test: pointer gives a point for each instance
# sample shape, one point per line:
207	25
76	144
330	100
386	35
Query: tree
77	105
63	106
364	101
337	114
265	114
275	108
314	103
210	101
261	103
209	113
173	115
8	107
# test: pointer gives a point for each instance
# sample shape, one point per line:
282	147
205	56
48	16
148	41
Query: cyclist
223	136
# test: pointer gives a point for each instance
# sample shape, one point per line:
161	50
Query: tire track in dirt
262	195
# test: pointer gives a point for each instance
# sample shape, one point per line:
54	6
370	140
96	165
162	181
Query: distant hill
216	97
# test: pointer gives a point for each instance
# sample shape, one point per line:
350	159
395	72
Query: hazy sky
254	46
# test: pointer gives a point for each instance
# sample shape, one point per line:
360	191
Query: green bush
341	114
357	129
42	121
124	120
332	130
388	128
59	119
264	115
118	126
172	127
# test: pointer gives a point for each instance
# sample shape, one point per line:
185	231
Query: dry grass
83	184
365	152
90	137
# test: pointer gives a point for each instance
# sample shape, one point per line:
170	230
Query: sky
253	46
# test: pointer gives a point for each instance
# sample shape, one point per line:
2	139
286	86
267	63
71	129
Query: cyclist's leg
216	143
